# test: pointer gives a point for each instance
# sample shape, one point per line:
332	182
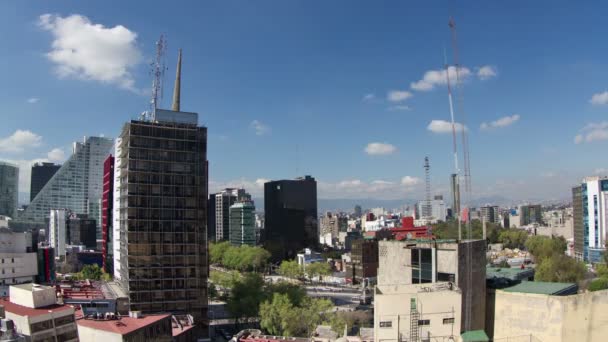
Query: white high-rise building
76	186
590	211
18	260
57	231
437	210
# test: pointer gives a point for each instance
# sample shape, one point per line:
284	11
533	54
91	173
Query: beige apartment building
429	290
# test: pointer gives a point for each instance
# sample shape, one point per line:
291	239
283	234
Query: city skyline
322	94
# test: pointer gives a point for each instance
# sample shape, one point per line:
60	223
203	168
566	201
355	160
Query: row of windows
158	190
421	322
160	132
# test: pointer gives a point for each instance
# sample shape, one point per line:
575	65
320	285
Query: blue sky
303	87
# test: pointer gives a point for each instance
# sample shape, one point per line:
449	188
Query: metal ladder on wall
414	317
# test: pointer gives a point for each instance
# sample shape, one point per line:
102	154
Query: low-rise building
134	328
18	264
364	260
550	312
37	315
429	289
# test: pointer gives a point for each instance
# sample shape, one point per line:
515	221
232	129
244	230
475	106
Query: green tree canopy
542	247
241	258
91	272
279	316
246	296
560	268
290	269
598	284
317	269
513	238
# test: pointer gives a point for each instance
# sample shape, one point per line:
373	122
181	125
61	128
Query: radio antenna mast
157	69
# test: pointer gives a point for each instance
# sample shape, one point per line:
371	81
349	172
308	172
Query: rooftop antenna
427	167
454	144
178	80
467	166
158	74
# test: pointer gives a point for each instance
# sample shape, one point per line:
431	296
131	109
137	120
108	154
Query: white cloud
377	148
486	72
398	95
410	181
19	141
502	122
599	98
399	107
89	51
33	100
56	155
433	78
442	126
369	97
259	127
592	132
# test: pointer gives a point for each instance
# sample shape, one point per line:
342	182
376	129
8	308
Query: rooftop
474	336
26	311
546	288
513	273
32	287
122	326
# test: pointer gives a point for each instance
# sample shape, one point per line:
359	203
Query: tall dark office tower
41	174
81	231
162	259
290	216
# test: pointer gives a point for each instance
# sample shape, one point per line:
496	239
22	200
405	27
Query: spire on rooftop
176	89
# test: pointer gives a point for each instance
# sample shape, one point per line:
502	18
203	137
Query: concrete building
537	314
429	289
364	260
530	214
223	201
81	230
18	262
9	189
41	174
163	172
242	224
76	186
590	215
490	213
37	315
437	210
330	225
58	231
290	208
153	328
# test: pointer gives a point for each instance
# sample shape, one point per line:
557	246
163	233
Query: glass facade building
76	186
9	189
161	168
41	174
291	221
242	224
590	214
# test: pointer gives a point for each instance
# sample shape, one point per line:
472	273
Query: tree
513	238
217	250
246	296
279	316
560	268
290	269
274	314
91	272
545	247
295	292
339	320
224	279
317	269
601	270
598	284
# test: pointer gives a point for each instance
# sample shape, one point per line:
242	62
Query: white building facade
18	262
58	231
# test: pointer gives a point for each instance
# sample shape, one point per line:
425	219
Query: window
424	322
448	320
386	324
